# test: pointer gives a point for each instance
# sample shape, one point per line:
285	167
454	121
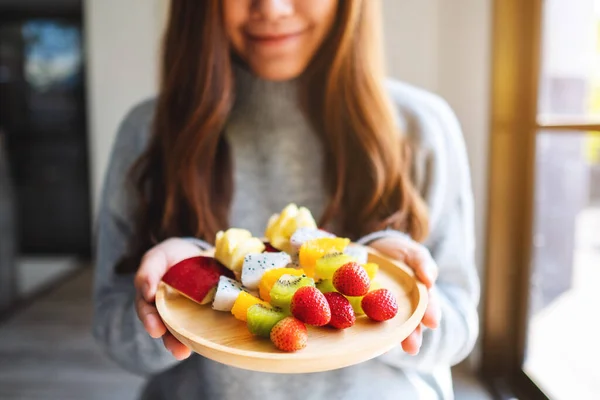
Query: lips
272	37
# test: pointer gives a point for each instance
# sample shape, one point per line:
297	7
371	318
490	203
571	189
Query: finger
152	268
420	260
391	247
433	313
412	344
178	349
148	314
413	254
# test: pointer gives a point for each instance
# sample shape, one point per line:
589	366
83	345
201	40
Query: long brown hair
184	178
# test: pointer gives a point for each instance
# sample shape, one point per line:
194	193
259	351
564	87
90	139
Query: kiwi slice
261	319
283	290
326	286
329	263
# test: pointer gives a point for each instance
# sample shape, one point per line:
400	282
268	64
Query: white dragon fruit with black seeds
358	252
255	265
227	293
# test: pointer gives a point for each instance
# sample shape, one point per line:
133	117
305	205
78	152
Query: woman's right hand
153	266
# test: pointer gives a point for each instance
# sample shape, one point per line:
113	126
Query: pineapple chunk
233	245
371	269
281	227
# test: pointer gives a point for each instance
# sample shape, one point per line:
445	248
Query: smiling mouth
273	38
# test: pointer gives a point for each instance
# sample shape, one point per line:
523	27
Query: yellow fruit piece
356	302
271	225
233	245
270	277
243	303
371	269
282	226
314	249
303	219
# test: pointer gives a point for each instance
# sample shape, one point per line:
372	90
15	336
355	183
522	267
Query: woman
263	103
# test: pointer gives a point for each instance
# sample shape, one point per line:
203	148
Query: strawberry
289	334
351	280
342	314
309	305
380	305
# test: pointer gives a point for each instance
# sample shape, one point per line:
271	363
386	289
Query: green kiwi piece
261	319
283	290
329	263
326	286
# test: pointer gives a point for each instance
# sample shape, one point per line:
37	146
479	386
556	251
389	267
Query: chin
278	71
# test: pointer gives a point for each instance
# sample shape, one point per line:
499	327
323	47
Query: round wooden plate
220	337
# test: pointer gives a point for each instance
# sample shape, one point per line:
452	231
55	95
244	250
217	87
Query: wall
411	30
463	80
122	39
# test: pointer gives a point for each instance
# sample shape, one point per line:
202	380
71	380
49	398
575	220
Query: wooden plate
220	337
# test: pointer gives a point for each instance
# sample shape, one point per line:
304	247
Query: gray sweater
277	160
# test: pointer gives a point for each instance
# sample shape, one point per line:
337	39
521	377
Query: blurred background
523	78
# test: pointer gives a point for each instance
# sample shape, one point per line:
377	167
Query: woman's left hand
418	258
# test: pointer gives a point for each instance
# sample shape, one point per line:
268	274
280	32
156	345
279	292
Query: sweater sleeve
442	163
116	326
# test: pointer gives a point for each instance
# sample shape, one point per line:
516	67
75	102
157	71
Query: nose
272	9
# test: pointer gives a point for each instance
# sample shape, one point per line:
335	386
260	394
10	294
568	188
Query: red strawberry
342	314
310	306
289	334
269	248
351	280
380	305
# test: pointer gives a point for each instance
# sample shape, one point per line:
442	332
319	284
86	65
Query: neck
257	95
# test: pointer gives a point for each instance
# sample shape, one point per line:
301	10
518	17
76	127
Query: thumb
152	268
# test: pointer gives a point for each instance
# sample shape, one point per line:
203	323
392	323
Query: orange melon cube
314	249
243	303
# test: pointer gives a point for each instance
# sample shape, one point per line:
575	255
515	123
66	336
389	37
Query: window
541	326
